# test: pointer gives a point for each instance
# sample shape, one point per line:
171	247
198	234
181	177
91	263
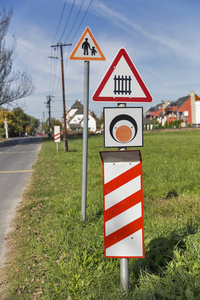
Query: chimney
166	102
193	114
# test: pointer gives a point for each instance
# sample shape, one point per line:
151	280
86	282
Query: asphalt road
17	157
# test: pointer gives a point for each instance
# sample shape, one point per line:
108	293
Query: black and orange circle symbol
123	128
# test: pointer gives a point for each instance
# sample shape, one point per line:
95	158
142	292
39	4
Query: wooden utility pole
49	111
63	92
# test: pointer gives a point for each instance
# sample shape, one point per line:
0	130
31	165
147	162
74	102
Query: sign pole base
124	274
124	263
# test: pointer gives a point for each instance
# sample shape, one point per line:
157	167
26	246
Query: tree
18	122
13	84
27	123
12	121
54	122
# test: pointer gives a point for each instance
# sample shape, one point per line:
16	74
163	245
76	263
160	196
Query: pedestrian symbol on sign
93	51
85	47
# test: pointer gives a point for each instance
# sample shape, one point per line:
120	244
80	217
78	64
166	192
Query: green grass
2	139
55	255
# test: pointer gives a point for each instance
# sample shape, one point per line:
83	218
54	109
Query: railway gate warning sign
122	82
123	204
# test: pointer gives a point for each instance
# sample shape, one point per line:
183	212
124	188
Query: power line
67	21
82	20
78	30
75	19
55	84
59	21
53	76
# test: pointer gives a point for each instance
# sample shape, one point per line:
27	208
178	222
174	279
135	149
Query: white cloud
177	39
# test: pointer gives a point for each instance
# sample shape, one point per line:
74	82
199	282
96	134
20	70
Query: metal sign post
124	262
85	139
86	49
124	274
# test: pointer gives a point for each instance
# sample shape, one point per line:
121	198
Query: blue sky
161	37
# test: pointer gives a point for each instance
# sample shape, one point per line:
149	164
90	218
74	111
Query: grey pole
85	138
124	274
124	263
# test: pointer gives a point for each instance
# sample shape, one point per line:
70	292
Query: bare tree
13	84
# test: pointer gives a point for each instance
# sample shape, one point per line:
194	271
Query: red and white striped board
57	134
123	204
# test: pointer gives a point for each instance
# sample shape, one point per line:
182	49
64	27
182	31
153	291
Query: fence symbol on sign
122	82
122	85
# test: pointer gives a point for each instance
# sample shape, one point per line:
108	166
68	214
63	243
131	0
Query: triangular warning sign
87	48
122	82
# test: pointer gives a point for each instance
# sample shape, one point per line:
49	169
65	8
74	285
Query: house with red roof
185	108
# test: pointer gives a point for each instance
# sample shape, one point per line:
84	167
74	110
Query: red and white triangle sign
122	82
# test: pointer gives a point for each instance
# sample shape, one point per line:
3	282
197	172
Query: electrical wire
75	19
56	84
82	20
78	29
59	21
50	80
51	71
55	76
67	20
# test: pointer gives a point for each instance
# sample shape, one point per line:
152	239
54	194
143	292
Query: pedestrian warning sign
87	48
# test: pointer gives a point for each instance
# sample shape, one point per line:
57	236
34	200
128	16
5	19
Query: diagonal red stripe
123	205
123	232
122	179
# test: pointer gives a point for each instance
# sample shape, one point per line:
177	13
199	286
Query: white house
74	118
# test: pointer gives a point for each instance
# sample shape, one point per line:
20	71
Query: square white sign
123	127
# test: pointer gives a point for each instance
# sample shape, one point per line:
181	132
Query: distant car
40	134
100	131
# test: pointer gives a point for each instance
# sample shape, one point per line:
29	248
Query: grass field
54	255
2	139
